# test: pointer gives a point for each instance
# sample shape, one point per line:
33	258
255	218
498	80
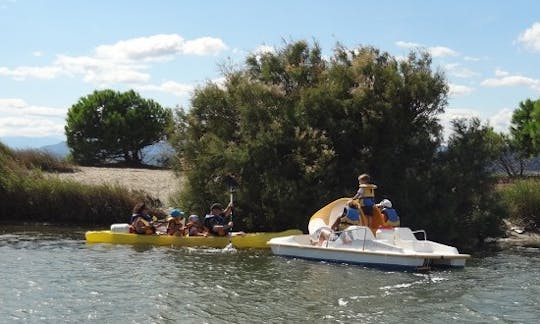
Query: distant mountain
156	154
59	149
23	142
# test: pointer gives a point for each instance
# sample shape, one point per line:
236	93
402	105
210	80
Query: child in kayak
175	226
194	226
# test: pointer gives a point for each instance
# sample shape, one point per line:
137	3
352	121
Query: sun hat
386	203
177	213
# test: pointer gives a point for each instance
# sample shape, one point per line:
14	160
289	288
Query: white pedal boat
391	247
395	247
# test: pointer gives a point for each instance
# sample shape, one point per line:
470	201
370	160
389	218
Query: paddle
232	184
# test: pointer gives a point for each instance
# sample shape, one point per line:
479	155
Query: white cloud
159	47
408	44
102	72
37	53
530	38
262	49
123	62
22	119
435	51
512	80
459	90
452	114
455	69
175	88
220	82
500	72
15	106
24	72
204	46
441	51
472	59
501	120
30	127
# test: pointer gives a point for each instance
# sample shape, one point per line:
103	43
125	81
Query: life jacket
212	220
392	217
146	228
368	198
174	226
194	228
351	216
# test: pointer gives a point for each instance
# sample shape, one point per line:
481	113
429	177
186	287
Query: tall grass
43	160
27	196
522	200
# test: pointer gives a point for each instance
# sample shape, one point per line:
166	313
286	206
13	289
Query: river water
53	276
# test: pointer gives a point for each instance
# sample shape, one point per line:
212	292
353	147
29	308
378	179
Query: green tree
297	129
462	200
525	128
110	126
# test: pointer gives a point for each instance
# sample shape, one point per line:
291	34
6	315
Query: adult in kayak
216	222
141	221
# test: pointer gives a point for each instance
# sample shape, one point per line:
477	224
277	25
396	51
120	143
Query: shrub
522	200
28	196
43	160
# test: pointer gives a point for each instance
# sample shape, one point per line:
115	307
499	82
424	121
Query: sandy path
158	183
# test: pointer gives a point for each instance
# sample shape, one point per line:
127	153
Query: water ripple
49	277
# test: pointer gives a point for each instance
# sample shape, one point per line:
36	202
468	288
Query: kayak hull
249	240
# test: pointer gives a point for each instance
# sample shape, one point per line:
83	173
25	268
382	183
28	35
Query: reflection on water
54	276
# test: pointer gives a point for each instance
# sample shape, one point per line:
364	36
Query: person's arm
227	212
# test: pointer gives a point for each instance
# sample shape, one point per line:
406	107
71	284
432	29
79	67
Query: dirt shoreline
158	183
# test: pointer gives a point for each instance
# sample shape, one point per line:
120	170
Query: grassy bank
521	199
28	196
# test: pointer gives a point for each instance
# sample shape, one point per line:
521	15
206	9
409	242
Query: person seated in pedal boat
141	221
194	227
390	215
216	222
175	226
350	216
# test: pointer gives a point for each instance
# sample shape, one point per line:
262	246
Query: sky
55	52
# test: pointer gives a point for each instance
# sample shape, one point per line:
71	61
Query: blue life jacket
391	213
368	201
352	214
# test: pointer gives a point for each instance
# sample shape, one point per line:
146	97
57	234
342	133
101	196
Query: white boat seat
404	234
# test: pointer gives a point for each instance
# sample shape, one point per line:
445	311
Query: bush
28	196
43	160
522	200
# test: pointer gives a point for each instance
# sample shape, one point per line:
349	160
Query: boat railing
349	235
421	231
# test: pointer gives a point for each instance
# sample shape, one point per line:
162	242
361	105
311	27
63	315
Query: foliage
107	126
522	199
297	129
28	196
465	208
525	128
509	159
43	160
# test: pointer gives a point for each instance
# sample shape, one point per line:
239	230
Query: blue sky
54	52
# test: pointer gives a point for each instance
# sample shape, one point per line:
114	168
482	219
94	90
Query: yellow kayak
249	240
